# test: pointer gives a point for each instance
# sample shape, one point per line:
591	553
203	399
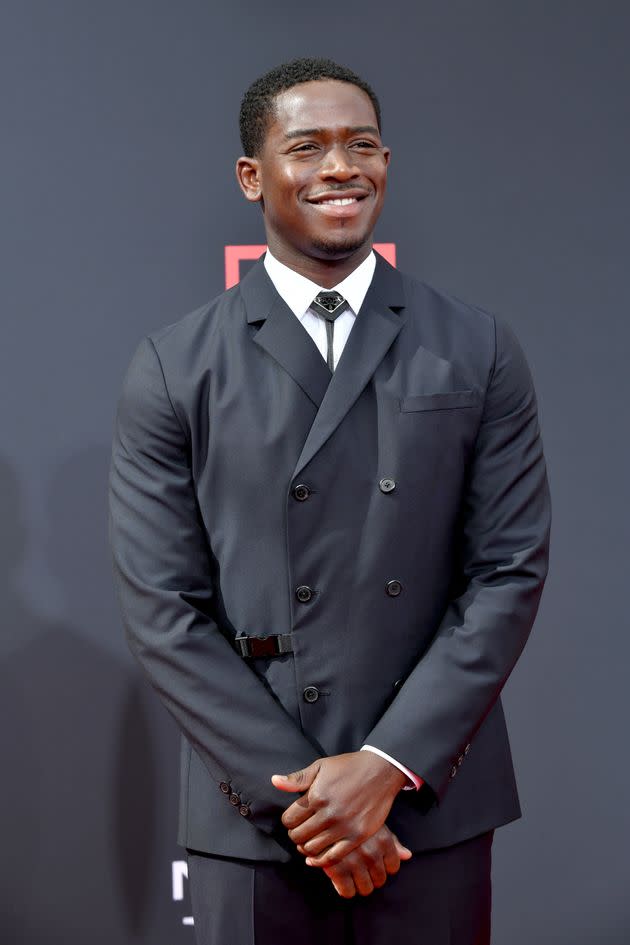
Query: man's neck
324	272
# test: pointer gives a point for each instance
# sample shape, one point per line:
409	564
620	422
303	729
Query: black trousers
439	897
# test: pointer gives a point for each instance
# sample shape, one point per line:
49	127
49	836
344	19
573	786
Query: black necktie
328	305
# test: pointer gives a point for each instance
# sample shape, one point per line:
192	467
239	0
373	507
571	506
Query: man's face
322	172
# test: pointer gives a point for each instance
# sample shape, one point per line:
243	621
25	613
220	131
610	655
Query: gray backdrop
508	123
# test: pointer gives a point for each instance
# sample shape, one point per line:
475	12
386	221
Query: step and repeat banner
120	214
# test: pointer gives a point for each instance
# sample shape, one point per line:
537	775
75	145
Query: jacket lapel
373	333
282	336
285	339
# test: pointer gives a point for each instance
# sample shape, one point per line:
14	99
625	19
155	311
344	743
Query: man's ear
249	178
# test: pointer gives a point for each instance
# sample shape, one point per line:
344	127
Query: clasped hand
338	822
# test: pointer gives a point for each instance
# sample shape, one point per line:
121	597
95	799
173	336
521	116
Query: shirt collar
298	291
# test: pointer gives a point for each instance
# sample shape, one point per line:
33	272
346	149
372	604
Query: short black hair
258	103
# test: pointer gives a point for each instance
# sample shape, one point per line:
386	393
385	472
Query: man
329	517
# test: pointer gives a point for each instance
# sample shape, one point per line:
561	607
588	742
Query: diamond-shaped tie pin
328	304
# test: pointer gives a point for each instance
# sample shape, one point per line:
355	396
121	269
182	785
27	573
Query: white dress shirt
299	292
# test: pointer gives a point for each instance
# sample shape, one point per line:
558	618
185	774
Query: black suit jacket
222	414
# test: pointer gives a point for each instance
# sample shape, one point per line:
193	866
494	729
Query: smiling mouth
339	201
339	209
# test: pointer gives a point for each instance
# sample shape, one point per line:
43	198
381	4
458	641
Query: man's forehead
323	104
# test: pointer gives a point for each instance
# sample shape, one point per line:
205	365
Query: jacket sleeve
164	577
505	543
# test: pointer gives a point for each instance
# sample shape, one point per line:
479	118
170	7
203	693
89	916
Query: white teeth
340	201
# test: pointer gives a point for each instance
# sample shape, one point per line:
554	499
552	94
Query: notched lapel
282	336
377	325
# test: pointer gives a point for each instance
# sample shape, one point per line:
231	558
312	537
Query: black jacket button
387	485
235	800
393	588
244	810
301	492
303	593
224	787
311	694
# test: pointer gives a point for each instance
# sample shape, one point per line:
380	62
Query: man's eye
304	147
364	144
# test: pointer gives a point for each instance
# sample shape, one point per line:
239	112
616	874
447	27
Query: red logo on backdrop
234	255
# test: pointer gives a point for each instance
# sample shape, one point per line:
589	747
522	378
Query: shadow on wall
80	735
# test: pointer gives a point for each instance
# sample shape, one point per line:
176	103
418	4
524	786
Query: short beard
338	248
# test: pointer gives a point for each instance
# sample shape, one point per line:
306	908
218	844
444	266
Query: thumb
298	780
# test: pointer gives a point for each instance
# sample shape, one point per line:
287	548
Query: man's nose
338	163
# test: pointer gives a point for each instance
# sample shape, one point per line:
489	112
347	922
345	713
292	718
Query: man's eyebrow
313	132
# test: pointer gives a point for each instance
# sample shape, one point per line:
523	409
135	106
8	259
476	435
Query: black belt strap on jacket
264	646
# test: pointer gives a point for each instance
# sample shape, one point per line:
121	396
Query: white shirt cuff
417	782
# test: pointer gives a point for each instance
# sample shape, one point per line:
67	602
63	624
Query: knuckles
370	857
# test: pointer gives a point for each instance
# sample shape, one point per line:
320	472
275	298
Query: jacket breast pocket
449	400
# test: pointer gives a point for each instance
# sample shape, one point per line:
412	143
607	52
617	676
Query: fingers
393	853
403	852
319	827
316	845
391	861
296	814
367	867
362	880
383	844
350	878
303	826
301	810
297	780
378	873
342	880
333	854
